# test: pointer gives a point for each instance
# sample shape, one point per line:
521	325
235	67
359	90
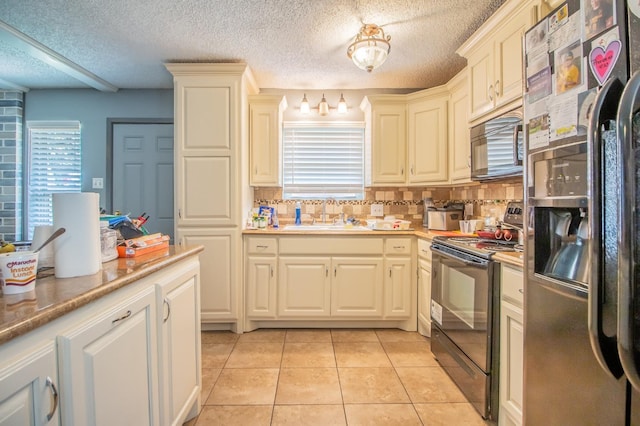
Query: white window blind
323	160
53	165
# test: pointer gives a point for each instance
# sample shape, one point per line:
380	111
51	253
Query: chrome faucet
324	206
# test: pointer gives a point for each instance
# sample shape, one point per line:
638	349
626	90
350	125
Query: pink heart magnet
602	60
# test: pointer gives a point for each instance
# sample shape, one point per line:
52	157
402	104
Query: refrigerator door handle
629	103
603	346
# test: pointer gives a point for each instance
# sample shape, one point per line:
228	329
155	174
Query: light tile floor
326	377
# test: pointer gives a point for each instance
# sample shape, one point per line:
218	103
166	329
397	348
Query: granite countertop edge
54	297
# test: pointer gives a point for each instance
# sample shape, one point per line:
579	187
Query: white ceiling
288	44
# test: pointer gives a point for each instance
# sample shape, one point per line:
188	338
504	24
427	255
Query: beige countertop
54	297
417	231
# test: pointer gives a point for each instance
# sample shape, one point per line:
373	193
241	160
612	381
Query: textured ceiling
292	44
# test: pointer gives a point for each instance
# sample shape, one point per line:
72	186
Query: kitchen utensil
53	236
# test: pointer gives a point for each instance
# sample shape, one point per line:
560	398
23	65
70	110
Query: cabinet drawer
424	249
262	245
397	246
512	284
330	245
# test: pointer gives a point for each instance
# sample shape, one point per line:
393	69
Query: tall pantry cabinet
211	180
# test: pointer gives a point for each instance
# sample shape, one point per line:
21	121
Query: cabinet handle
124	317
402	171
411	170
271	271
490	93
521	290
255	170
398	247
166	302
54	397
335	271
262	247
497	91
326	271
389	272
179	214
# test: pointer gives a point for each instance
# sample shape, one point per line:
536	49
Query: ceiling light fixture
370	48
323	107
304	105
342	105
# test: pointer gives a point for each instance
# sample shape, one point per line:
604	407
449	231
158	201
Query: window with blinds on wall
53	165
321	160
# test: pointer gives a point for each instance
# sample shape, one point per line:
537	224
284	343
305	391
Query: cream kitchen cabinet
220	264
427	136
494	59
385	139
304	287
424	287
28	386
261	277
356	287
399	270
459	140
265	139
131	356
211	177
511	345
317	286
110	366
179	343
343	281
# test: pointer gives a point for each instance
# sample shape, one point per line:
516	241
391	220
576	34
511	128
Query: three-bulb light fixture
323	107
370	48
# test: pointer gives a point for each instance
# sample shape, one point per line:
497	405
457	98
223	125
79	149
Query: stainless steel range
465	300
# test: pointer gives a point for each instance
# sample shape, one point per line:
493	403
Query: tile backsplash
401	202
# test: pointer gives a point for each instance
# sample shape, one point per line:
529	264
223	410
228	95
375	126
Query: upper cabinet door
508	60
459	138
428	138
265	139
385	139
481	90
208	103
494	58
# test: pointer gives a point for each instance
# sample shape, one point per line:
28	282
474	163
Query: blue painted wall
93	108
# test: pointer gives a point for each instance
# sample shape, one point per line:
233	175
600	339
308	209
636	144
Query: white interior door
143	173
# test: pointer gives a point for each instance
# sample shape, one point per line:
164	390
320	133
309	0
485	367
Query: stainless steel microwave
497	147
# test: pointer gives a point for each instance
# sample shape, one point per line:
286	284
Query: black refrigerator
582	194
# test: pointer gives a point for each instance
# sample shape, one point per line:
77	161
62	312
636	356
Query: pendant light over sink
370	48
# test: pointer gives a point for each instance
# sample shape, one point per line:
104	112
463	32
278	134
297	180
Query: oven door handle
473	262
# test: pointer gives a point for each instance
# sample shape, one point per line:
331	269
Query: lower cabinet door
180	344
304	287
397	287
28	394
424	297
511	363
356	287
109	365
261	287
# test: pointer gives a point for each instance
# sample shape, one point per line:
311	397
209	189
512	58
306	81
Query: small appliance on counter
428	205
446	218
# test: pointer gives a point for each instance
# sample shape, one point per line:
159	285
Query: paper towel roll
78	249
40	235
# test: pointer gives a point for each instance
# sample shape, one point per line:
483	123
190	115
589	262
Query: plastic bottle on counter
274	220
298	213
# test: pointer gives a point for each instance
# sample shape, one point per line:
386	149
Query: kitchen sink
324	227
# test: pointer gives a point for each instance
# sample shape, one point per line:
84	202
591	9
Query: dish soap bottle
274	220
298	213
